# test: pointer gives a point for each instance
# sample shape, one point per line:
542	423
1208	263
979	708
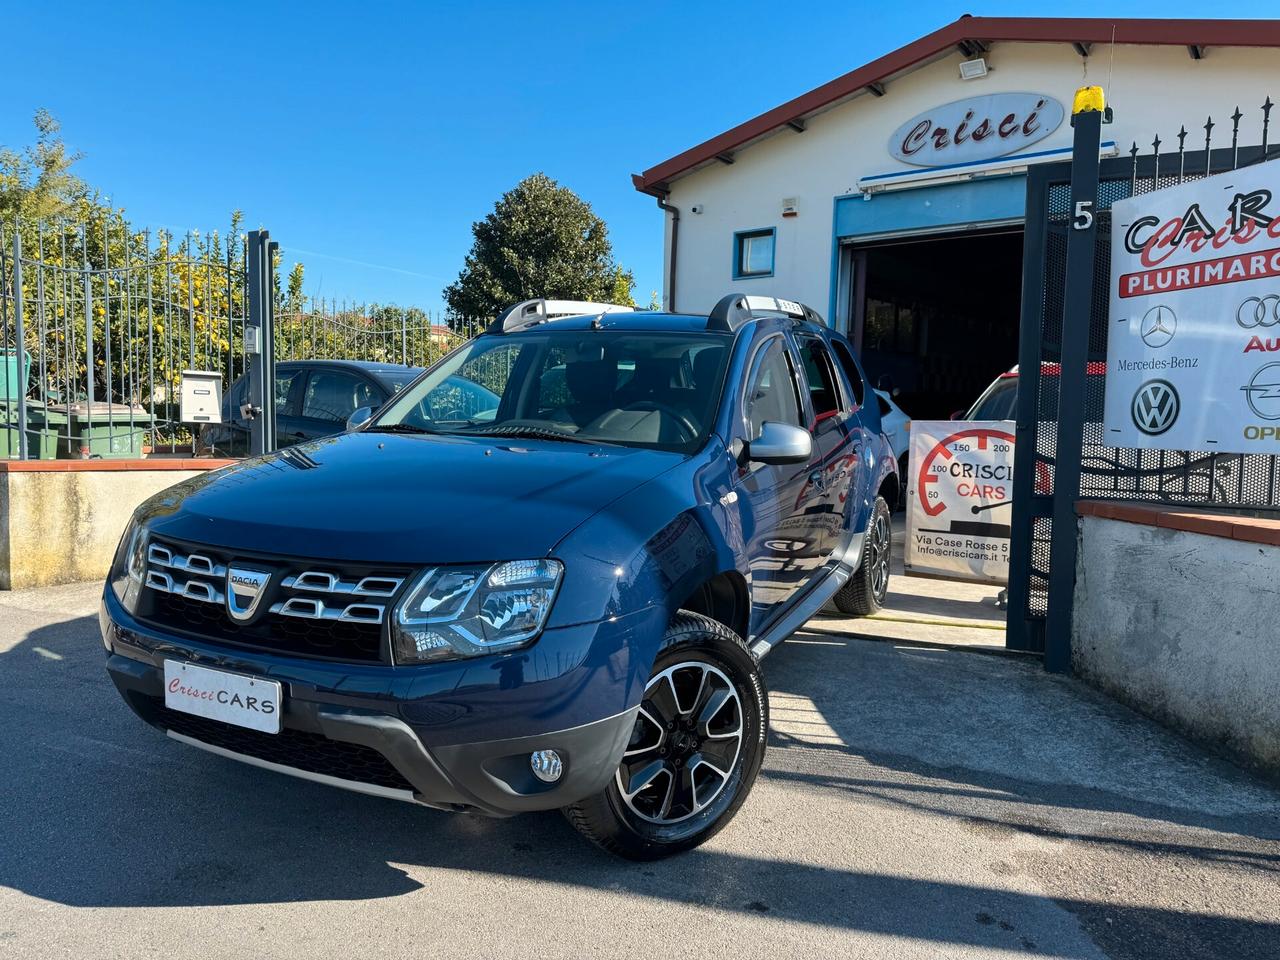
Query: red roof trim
1205	33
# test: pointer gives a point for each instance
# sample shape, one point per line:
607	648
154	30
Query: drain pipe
675	241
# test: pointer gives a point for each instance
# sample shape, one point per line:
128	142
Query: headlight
453	612
130	567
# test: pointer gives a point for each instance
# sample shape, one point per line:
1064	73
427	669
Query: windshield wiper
532	433
397	428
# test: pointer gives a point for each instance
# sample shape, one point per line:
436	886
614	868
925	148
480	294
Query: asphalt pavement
914	802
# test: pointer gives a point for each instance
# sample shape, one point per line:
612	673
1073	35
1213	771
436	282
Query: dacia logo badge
245	589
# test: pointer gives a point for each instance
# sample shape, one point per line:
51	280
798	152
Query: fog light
546	765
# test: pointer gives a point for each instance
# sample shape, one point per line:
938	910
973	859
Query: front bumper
363	729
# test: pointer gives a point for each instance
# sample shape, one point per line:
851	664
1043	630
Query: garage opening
938	316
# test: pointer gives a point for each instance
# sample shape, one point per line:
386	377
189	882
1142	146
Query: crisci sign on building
976	129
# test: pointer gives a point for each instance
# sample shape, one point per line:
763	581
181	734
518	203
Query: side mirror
780	443
359	418
956	415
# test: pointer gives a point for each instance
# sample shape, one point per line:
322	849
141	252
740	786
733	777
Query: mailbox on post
201	396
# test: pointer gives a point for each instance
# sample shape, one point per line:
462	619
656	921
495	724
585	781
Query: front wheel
695	750
864	594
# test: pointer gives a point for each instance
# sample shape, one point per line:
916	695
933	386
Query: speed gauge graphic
962	478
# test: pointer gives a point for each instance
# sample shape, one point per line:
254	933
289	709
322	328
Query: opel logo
1158	327
1155	407
1262	392
1259	312
245	589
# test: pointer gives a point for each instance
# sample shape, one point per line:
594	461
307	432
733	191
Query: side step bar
844	563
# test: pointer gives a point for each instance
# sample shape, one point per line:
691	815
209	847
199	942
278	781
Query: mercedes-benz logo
1155	407
1158	327
1256	312
245	589
1263	391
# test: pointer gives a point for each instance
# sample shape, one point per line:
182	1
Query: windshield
656	390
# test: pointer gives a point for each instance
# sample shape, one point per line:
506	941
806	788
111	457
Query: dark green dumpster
109	430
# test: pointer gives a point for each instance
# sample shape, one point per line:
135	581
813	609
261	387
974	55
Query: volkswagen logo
1155	407
1259	312
1262	392
245	589
1158	327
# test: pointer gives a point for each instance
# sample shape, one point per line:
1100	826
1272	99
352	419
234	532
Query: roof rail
530	313
736	309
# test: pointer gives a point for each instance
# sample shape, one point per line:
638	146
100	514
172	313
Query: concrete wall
63	525
1184	627
1154	90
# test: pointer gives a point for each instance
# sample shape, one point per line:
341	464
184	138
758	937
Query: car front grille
311	609
311	752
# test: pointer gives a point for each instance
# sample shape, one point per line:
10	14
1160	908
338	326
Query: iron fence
98	321
326	329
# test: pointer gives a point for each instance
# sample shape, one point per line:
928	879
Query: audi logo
1259	312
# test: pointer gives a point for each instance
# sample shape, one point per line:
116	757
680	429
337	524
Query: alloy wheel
684	745
878	550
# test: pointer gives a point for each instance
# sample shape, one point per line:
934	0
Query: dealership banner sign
1193	351
959	499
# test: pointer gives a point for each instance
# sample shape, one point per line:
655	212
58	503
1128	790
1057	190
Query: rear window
999	402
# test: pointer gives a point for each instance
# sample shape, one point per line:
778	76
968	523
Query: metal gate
1203	479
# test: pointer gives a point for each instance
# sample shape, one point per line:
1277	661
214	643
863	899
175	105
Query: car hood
386	498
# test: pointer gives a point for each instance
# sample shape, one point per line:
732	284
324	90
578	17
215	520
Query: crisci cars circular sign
976	129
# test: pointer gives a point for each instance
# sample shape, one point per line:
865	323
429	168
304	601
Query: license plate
218	695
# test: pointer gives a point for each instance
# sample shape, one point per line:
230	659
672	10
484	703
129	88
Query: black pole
254	324
1082	242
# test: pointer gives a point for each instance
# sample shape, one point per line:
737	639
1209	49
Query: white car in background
897	427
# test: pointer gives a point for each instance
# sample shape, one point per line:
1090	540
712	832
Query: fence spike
1208	135
1266	122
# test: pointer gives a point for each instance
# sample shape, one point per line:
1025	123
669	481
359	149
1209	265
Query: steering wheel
686	425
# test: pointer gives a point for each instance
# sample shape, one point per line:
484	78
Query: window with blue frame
753	253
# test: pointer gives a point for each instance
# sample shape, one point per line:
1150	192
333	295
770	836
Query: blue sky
368	137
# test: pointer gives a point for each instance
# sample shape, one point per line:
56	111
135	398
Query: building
893	197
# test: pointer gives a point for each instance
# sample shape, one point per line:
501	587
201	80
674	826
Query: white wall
1182	626
1154	90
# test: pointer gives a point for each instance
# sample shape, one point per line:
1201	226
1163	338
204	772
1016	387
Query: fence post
88	350
255	315
1082	241
404	337
21	341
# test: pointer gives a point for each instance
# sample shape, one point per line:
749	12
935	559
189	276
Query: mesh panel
1200	478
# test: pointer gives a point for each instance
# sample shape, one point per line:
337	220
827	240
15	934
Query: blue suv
557	596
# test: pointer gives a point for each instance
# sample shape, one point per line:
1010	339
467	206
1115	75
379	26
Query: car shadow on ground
102	811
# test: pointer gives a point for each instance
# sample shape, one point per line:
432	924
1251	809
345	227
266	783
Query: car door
864	428
779	533
331	395
837	442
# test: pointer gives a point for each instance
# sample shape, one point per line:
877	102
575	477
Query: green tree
36	181
541	240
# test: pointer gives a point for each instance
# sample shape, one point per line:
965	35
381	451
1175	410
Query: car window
285	395
998	404
820	376
885	409
851	372
333	396
771	395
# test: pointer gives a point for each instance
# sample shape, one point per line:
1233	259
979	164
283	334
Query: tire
705	770
864	594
